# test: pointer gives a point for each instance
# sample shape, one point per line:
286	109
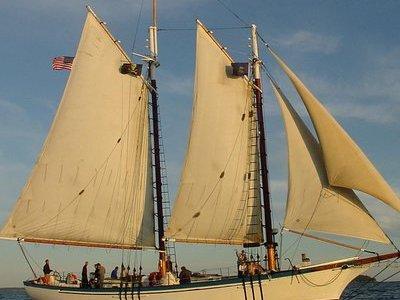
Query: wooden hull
309	283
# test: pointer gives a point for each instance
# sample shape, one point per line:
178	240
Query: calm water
381	291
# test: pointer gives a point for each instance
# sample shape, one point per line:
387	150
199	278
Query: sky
346	52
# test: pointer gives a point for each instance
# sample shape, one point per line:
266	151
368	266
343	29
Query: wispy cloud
382	80
384	113
279	186
181	86
386	217
17	123
373	96
11	181
307	41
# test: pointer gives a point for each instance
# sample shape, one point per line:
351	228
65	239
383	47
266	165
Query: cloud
180	86
373	96
386	217
17	122
397	189
12	176
278	186
384	113
307	41
382	79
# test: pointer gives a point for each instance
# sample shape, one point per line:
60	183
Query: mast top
254	47
154	15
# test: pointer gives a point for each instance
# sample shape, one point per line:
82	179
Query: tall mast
156	138
269	236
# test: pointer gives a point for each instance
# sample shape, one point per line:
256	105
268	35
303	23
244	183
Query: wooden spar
355	262
325	240
156	138
80	244
270	241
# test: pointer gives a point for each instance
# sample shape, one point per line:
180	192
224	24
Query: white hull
316	285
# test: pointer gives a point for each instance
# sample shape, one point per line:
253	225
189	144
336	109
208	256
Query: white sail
214	204
346	164
91	184
312	203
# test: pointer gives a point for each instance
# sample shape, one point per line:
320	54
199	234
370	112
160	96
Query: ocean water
355	291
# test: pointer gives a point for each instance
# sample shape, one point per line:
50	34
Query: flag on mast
62	63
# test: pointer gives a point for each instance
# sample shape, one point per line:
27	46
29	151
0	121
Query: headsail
218	198
312	203
91	185
346	164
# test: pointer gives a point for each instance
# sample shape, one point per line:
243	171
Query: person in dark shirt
97	275
46	268
184	276
85	282
114	273
168	264
46	271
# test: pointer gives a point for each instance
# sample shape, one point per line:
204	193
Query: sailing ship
99	161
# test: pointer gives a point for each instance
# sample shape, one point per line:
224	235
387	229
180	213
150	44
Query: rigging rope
244	287
313	284
137	25
260	285
252	287
212	28
133	283
140	278
23	253
233	13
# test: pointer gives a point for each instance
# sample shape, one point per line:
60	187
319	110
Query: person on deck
241	263
128	273
85	282
102	274
114	273
46	272
97	275
46	268
168	264
184	276
123	271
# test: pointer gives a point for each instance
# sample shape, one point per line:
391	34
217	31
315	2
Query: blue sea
355	291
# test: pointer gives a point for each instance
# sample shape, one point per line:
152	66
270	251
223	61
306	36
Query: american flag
62	63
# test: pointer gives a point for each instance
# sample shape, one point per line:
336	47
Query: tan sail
214	204
346	164
91	185
312	203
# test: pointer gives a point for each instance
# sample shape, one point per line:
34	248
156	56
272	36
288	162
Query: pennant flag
62	63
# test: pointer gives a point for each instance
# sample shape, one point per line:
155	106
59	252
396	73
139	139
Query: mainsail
218	199
91	185
346	164
312	203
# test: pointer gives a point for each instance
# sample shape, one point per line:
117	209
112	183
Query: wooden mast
156	138
269	236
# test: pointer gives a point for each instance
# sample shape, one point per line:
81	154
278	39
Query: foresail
91	184
218	198
312	203
346	164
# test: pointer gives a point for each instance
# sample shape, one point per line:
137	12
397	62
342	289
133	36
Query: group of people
247	267
96	278
124	275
